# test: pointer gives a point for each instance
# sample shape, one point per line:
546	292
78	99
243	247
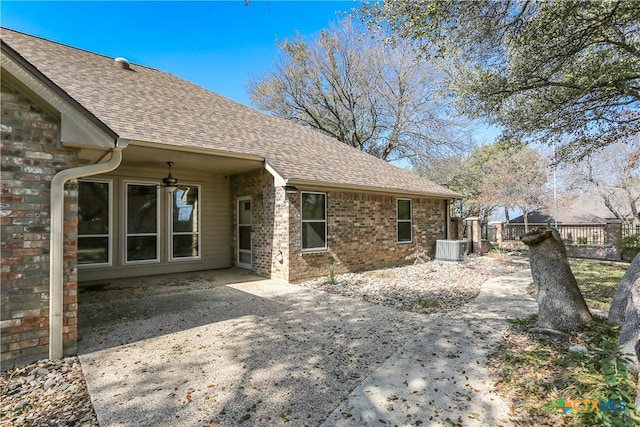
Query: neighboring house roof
144	104
586	209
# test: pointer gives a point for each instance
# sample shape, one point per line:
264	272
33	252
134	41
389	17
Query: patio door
243	256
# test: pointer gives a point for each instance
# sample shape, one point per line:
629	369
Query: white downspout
56	248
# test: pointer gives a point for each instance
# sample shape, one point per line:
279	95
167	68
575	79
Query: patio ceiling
139	156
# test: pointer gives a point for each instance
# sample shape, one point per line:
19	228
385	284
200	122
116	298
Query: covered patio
226	346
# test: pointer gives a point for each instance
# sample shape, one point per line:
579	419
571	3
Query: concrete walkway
268	353
439	377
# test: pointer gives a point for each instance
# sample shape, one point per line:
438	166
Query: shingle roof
149	105
584	209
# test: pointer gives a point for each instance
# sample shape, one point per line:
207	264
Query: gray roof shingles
149	105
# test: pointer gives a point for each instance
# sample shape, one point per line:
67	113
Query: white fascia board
278	179
399	192
76	131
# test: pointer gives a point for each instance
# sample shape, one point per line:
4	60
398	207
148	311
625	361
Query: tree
561	306
377	97
460	173
516	176
491	176
614	175
560	70
625	311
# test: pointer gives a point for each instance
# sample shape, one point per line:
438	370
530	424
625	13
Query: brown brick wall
31	156
269	238
361	232
281	235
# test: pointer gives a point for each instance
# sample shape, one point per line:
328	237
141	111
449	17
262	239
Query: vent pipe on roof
121	63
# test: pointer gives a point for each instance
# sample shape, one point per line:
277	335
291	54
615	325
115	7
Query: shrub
629	246
618	386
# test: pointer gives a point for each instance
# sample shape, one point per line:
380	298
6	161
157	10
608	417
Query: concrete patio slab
439	378
253	353
234	351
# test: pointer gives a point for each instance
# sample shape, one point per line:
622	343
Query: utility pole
555	191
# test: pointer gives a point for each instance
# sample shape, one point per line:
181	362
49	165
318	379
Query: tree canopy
349	84
614	175
500	175
566	71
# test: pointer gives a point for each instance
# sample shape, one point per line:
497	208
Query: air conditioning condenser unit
451	250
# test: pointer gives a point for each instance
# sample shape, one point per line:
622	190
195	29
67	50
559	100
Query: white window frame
237	231
302	221
398	221
172	234
125	207
109	262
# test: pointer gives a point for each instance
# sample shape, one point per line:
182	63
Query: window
404	220
141	239
245	219
185	224
314	221
94	222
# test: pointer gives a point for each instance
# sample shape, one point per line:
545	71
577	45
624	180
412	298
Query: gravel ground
46	393
53	393
431	287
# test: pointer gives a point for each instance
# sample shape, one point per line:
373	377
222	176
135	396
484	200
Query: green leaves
567	70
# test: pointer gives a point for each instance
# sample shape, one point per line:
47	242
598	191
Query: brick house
85	145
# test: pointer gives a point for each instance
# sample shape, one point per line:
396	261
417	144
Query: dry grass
534	371
598	280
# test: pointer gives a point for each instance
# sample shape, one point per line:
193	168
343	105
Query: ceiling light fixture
169	183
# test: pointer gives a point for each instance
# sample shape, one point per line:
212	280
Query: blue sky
215	44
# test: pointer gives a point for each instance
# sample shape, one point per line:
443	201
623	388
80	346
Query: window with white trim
314	221
403	220
142	219
185	223
94	222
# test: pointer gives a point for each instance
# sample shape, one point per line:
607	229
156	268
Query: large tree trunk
638	392
630	332
625	311
623	292
560	303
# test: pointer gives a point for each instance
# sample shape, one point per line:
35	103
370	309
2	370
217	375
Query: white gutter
280	181
56	252
311	185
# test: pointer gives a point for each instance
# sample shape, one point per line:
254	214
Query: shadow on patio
196	349
199	350
122	311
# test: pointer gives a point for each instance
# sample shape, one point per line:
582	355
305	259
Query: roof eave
309	184
197	150
29	67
